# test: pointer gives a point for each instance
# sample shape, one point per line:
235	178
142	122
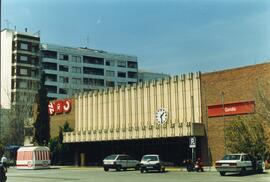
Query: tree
42	123
14	119
248	135
251	133
61	152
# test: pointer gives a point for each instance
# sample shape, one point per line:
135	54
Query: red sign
59	106
231	109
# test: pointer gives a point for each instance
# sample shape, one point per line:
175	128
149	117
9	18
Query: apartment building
144	76
71	70
20	67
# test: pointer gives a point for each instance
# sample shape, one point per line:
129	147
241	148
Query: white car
152	162
239	163
119	161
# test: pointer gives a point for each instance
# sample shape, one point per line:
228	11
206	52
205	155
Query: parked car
152	162
119	162
239	163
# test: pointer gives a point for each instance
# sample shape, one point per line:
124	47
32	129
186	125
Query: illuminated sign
59	106
231	109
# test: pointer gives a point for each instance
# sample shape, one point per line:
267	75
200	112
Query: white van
34	157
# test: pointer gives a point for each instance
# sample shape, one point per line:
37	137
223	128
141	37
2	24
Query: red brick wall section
237	85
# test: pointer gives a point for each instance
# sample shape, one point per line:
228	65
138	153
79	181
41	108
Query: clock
161	116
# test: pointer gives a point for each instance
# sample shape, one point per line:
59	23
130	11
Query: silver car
119	162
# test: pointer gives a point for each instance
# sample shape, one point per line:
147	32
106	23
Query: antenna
37	33
87	41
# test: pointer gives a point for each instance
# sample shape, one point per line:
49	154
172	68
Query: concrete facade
20	67
70	70
128	112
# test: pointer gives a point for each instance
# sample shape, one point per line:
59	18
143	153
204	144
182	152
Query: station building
160	116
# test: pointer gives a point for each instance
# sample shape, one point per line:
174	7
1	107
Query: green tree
248	135
42	123
251	133
61	152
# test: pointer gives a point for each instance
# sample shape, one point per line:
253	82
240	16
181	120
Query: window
93	82
50	66
121	83
109	62
132	74
63	79
131	83
121	63
24	46
109	83
76	70
33	73
132	64
109	73
22	84
62	91
51	77
23	71
76	59
93	60
23	58
49	54
93	71
51	89
63	68
76	80
63	57
121	74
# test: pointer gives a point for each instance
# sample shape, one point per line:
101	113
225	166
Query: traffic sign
192	142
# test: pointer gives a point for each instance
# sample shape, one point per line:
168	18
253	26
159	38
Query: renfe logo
59	106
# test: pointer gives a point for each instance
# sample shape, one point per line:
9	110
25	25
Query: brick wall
237	85
58	120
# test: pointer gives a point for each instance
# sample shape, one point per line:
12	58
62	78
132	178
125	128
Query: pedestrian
4	161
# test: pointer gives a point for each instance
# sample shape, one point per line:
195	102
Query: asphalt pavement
98	175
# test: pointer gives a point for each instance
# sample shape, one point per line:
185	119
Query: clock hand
161	115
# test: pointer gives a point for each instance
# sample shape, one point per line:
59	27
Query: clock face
161	116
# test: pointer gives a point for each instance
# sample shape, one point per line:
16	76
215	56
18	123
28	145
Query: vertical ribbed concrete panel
129	112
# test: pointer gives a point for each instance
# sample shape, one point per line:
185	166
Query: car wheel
137	167
243	171
260	171
118	168
222	173
142	170
106	169
163	169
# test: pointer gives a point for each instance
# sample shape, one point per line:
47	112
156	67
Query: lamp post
223	118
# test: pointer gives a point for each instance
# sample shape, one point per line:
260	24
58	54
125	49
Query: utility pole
223	118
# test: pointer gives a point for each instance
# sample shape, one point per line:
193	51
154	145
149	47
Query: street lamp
223	118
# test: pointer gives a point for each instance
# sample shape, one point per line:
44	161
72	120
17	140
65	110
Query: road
98	175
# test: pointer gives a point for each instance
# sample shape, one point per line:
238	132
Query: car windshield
231	157
111	157
150	158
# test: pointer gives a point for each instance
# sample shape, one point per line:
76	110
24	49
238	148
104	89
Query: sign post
192	145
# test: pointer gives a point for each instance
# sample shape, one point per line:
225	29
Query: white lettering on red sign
229	109
51	108
66	105
59	107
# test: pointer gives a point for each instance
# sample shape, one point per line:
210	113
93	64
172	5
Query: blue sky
169	36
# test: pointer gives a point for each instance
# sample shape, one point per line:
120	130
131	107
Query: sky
168	36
